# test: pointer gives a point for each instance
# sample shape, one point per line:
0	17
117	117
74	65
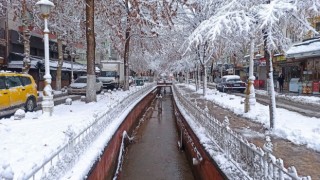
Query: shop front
303	67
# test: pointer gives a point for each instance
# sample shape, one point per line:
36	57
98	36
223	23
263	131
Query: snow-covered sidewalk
291	137
26	143
289	125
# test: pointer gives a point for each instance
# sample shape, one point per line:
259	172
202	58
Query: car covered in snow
79	86
231	83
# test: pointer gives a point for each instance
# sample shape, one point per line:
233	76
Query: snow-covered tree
261	19
136	20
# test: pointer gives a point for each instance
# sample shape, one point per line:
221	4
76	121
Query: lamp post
250	99
47	103
73	55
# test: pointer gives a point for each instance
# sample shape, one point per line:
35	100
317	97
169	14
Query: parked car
79	86
17	90
231	83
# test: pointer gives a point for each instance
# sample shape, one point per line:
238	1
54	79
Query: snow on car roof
231	77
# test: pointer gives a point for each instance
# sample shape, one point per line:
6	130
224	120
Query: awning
309	48
16	62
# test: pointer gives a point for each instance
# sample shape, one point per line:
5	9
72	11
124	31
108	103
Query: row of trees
234	27
171	35
91	23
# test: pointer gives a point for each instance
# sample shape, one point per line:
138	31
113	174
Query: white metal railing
65	158
255	162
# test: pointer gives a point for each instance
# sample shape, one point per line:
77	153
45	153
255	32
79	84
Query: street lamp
73	55
250	99
47	103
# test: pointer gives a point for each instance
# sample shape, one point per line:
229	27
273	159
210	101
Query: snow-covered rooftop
13	64
304	49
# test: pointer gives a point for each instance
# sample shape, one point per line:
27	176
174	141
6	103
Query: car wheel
30	104
100	90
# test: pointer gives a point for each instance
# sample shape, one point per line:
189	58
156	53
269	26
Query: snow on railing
256	162
64	159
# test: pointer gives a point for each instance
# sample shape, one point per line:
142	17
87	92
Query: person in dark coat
281	81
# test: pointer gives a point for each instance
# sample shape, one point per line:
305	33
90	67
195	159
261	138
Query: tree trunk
60	63
126	49
198	76
90	37
204	80
126	58
272	105
187	76
270	87
26	40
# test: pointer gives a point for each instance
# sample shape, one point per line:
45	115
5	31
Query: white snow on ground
296	98
28	142
289	125
226	166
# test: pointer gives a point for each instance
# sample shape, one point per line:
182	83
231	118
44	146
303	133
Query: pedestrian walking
281	81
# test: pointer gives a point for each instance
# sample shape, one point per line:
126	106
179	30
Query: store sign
279	58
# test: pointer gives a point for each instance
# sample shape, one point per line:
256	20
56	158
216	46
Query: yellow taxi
17	90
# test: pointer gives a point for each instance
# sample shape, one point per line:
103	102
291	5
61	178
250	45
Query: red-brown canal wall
106	166
207	168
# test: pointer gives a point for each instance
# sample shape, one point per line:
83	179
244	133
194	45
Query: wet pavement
155	154
305	160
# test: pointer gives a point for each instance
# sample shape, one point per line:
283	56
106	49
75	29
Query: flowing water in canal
155	154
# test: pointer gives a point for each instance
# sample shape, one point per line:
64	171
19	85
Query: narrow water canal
155	154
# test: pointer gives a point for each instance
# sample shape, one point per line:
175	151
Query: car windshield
81	80
108	74
234	80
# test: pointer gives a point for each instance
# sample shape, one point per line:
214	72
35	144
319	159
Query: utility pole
26	39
